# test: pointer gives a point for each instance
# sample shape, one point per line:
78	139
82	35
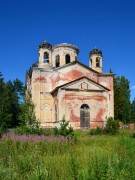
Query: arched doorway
84	116
47	113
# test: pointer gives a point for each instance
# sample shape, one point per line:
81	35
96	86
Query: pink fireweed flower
32	137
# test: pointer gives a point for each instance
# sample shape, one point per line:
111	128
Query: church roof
85	66
67	45
70	64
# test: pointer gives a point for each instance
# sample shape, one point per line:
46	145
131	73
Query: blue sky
107	24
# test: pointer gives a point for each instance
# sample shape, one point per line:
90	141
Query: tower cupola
45	45
45	54
95	61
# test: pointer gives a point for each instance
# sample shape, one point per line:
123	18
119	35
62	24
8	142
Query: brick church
62	86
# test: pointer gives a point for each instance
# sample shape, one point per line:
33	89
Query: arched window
85	106
85	116
46	57
67	58
97	62
57	61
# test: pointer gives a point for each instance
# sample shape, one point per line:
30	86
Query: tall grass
91	158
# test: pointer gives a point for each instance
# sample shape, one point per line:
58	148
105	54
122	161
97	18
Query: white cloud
132	87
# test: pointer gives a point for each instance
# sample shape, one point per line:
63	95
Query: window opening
85	116
67	58
97	62
46	57
57	59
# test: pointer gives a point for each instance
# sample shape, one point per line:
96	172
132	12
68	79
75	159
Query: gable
84	84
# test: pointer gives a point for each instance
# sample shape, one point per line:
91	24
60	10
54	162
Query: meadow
101	157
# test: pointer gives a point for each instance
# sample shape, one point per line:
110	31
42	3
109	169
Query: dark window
76	58
46	57
84	106
55	112
91	61
57	61
97	62
67	58
85	116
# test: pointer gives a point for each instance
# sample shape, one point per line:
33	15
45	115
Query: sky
105	24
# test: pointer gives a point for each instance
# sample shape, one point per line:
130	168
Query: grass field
90	158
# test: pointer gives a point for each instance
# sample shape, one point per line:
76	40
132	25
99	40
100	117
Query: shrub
133	135
112	126
65	129
3	130
27	130
96	131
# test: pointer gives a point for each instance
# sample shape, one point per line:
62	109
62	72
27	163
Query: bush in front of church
37	131
65	129
112	128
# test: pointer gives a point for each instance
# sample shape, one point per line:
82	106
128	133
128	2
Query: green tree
133	111
5	106
10	98
27	115
122	106
16	92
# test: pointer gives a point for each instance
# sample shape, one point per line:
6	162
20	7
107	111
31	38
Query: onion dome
96	51
46	45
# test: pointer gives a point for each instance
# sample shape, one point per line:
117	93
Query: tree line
124	109
14	109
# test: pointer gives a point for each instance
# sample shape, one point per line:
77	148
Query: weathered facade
62	86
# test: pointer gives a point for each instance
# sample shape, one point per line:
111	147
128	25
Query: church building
61	85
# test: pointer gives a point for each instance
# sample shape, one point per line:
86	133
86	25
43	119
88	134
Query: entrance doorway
84	116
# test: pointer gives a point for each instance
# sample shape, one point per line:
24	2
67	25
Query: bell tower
95	61
45	54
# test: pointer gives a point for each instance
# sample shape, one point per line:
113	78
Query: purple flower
32	137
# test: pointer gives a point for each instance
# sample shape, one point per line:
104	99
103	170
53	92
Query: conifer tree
27	115
5	106
122	106
10	95
133	111
16	90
